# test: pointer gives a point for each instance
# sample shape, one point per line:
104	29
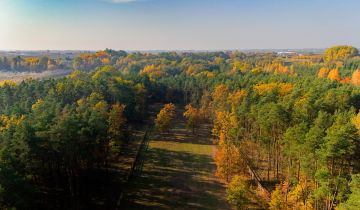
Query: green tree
353	202
117	123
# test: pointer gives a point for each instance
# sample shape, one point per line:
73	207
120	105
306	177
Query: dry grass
20	76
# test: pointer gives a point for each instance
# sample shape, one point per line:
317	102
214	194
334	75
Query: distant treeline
43	63
36	64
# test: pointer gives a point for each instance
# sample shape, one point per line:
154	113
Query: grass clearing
178	173
182	147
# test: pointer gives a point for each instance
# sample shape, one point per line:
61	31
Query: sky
177	24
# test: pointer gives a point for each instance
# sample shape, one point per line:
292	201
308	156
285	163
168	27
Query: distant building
287	53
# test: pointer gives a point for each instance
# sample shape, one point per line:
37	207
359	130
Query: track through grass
178	173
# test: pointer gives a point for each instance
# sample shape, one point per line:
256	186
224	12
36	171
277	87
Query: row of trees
283	120
35	64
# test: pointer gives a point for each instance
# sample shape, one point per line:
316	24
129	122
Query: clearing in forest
178	172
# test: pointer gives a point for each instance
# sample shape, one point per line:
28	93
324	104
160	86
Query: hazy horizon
166	50
174	25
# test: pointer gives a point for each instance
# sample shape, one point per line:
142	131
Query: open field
178	173
20	76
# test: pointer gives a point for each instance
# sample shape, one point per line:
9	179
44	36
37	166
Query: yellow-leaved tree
238	192
340	53
323	72
281	88
164	118
236	98
277	201
219	96
153	71
299	197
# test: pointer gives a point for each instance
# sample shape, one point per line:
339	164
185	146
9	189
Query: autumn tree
239	66
286	197
193	116
345	80
163	121
300	197
277	68
227	157
277	201
223	123
116	128
228	161
334	75
153	71
236	98
239	192
323	72
219	96
355	79
280	88
340	53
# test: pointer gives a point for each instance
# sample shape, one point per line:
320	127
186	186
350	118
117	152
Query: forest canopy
265	109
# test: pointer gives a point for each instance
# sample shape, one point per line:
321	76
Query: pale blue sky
177	24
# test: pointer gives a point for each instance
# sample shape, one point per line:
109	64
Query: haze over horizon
177	25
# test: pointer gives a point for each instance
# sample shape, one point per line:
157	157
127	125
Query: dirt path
178	173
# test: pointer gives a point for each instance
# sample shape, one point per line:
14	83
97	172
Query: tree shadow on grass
181	134
176	180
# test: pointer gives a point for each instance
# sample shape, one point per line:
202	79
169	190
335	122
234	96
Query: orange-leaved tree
193	116
228	160
334	75
355	79
227	157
